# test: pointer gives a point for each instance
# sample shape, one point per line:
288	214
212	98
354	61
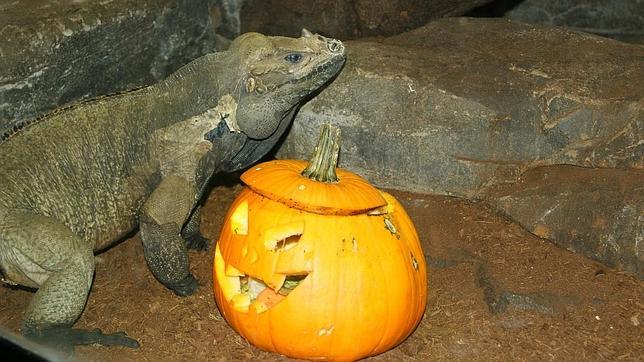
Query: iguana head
276	74
279	73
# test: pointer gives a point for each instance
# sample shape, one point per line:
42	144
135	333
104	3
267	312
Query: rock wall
347	19
618	19
54	51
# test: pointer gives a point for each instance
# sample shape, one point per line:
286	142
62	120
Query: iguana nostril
335	46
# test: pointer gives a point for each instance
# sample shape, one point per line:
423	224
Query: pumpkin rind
364	293
281	181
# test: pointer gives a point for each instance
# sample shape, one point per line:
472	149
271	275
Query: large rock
55	51
596	212
462	104
466	106
345	19
619	19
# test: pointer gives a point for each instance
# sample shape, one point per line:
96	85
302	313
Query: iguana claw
185	287
197	242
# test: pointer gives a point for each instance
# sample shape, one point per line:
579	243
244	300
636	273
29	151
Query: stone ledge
595	212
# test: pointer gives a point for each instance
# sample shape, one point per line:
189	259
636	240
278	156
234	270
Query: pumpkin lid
282	181
317	186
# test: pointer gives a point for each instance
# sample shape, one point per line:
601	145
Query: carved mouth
261	296
245	292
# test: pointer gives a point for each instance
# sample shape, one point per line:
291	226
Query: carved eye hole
239	219
294	58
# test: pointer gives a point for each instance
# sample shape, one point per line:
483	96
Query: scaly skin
81	178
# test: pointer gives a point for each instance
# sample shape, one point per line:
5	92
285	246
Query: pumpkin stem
322	165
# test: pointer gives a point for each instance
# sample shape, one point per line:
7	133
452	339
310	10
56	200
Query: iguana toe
197	242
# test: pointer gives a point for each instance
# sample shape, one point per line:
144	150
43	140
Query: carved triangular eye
306	33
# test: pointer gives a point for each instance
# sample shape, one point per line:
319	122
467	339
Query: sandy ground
496	292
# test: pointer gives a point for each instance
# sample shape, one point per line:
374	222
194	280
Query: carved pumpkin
318	266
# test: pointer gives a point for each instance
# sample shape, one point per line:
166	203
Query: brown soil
495	292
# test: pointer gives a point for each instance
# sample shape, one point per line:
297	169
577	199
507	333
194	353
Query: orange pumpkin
319	266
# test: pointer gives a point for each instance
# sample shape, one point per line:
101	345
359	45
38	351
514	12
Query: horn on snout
306	33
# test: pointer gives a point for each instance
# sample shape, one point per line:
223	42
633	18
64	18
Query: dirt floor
496	292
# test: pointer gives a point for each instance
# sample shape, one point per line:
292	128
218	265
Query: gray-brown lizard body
79	179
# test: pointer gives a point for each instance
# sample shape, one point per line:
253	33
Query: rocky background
538	112
53	52
618	19
462	106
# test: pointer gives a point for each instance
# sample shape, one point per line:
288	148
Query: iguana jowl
80	178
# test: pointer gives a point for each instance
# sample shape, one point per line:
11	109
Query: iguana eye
294	58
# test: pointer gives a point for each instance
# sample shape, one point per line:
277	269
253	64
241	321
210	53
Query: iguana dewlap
79	179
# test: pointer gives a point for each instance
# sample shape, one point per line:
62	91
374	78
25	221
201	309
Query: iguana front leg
163	216
41	252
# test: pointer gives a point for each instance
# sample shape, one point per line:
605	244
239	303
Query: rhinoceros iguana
78	179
